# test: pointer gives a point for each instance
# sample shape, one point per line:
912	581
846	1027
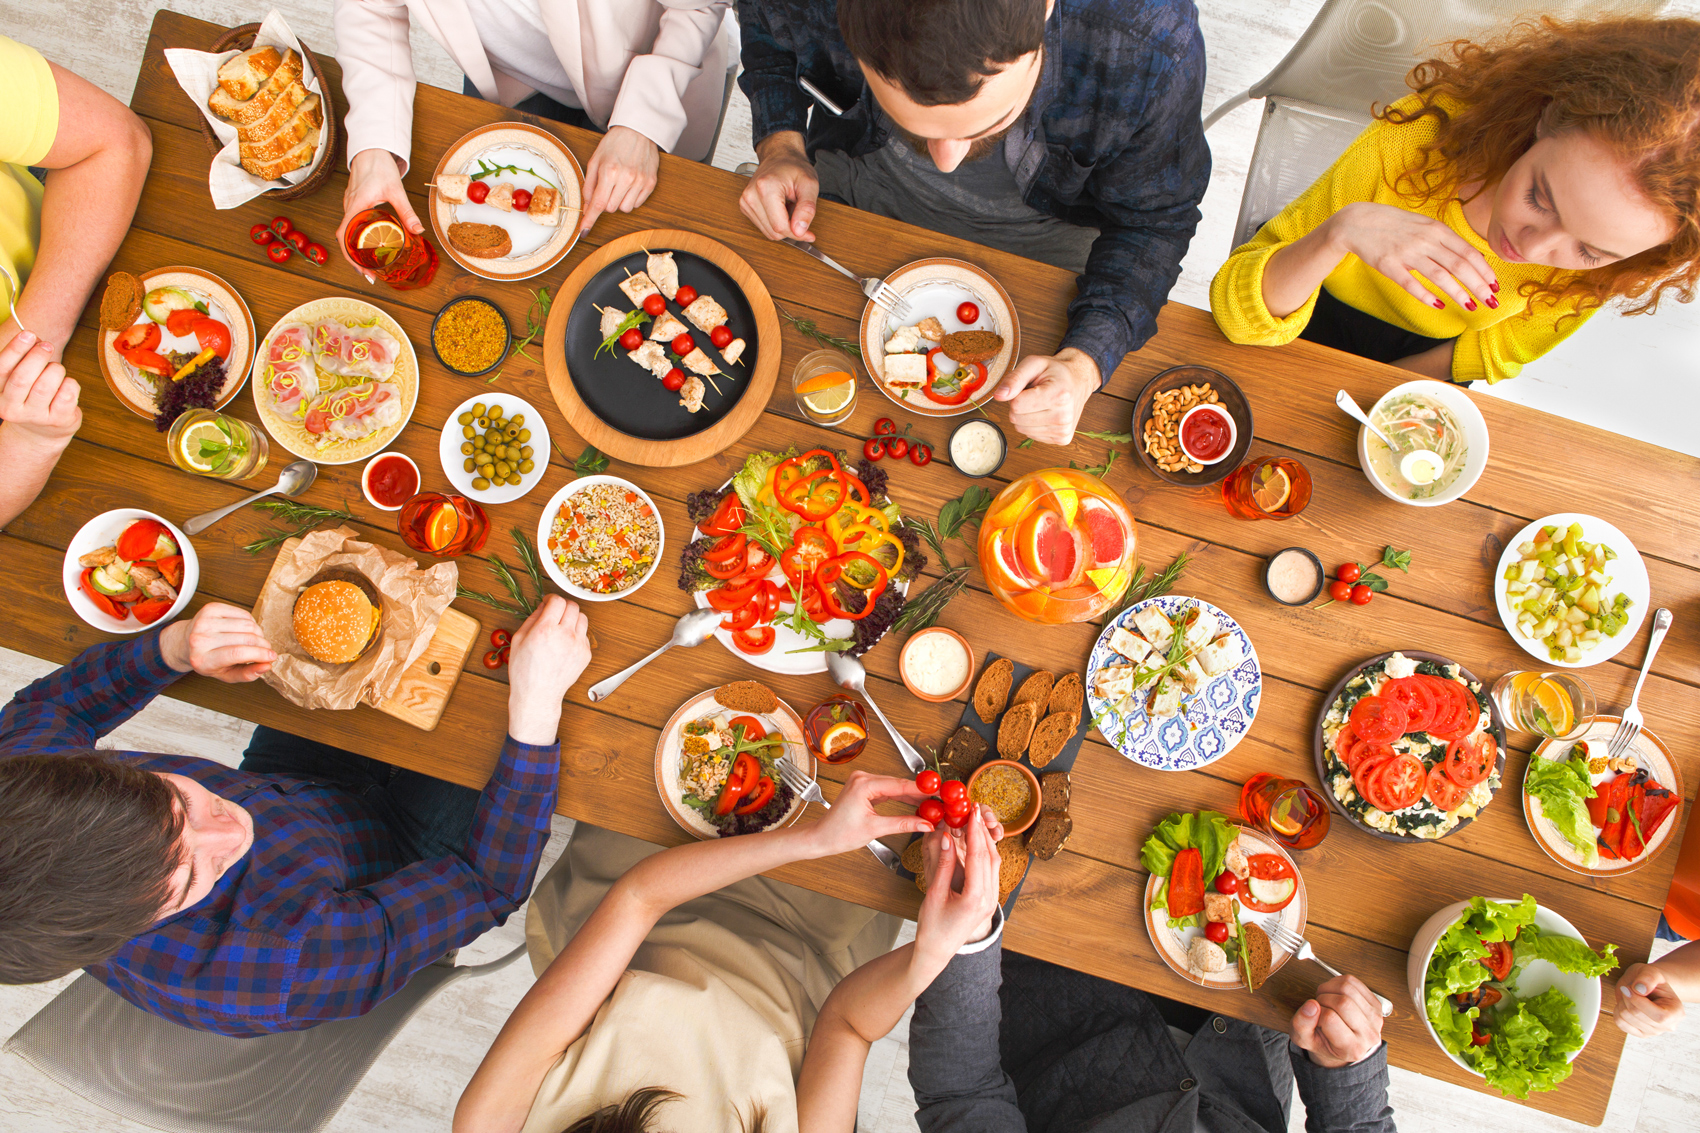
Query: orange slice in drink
1002	570
823	381
840	735
1006	513
1102	531
441	528
1110	581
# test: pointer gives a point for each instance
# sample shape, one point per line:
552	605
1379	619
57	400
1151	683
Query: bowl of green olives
495	447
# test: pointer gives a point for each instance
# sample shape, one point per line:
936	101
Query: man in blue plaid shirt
305	886
1062	130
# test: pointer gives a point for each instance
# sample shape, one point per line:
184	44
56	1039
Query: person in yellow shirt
1482	219
56	240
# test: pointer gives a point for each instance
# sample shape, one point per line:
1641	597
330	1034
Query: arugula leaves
1098	470
633	319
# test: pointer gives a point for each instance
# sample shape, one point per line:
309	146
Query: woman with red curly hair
1482	219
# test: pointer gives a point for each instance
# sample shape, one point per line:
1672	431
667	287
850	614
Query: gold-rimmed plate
669	756
133	389
937	287
536	157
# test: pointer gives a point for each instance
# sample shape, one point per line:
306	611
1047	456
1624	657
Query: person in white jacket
650	74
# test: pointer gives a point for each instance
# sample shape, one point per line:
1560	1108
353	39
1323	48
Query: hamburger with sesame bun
338	616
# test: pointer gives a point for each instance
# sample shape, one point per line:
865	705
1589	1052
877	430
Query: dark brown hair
1633	84
634	1114
940	52
87	849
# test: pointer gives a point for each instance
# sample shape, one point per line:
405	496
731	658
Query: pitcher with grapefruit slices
1058	546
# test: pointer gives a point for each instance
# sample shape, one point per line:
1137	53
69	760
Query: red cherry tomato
261	234
953	791
299	239
956	818
921	455
721	336
931	810
928	781
282	225
683	345
1348	572
316	253
493	659
967	313
1227	883
654	305
632	339
500	637
1340	591
1214	931
685	296
1361	594
477	192
885	426
873	448
896	446
279	252
522	199
673	380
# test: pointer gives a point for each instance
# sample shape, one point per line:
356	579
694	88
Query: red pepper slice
759	796
746	769
728	547
729	598
830	571
1186	883
815	495
102	603
1633	843
809	548
1659	805
172	568
753	730
963	392
858	491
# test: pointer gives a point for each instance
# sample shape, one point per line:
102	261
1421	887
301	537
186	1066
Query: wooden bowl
1031	814
1175	377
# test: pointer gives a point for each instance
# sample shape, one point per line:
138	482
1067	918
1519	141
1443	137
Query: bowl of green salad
1510	990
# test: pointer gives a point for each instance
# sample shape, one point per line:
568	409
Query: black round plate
1321	759
626	395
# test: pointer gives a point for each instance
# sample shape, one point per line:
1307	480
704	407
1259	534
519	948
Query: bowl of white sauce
1294	576
1425	417
936	664
978	448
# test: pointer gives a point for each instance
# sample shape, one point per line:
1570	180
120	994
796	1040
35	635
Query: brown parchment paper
413	603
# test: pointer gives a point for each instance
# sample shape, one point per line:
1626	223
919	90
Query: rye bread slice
1036	688
1054	790
121	303
1047	835
965	751
993	690
1012	866
1255	956
1067	695
747	696
480	241
1051	736
1016	729
915	862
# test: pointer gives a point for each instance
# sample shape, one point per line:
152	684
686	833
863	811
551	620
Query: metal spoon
1350	407
691	630
848	672
292	481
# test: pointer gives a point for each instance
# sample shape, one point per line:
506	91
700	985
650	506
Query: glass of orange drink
1058	546
824	384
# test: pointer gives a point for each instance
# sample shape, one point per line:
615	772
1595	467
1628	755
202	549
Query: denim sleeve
72	707
1344	1099
769	77
959	1082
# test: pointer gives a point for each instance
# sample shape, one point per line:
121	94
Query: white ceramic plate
1628	576
540	156
669	754
454	461
937	287
103	531
1649	751
134	390
547	520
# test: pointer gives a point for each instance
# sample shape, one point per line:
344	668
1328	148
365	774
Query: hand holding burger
549	653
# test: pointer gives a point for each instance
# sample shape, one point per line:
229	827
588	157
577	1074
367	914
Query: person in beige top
678	987
651	74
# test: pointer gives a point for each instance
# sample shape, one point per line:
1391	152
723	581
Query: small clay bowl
903	665
507	336
1232	399
1031	814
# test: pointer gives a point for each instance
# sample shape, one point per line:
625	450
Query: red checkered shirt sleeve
73	706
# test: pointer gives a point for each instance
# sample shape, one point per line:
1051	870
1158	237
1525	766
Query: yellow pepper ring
866	538
835	525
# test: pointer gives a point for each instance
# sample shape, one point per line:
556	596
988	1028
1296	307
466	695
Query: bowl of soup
1442	444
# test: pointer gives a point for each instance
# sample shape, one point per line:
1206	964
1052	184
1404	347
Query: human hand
1048	393
548	654
780	198
1647	1004
374	178
1397	242
36	396
220	641
621	174
853	822
962	887
1342	1025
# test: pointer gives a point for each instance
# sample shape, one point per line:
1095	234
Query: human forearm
1295	272
1435	362
954	1066
74	706
1344	1099
1681	969
28	460
769	75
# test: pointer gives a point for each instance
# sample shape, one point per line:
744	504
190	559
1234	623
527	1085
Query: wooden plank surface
1367	898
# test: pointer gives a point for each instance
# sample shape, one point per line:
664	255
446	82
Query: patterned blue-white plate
1210	723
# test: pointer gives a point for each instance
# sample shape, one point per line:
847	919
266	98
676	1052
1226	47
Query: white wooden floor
1640	377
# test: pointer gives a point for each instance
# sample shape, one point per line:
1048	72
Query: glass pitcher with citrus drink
376	241
1057	546
213	444
824	384
443	525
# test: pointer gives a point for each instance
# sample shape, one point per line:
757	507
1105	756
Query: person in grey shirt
1002	1043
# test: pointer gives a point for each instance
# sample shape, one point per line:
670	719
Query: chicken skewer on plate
708	315
652	355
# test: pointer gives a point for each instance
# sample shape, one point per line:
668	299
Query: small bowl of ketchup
1215	435
1207	433
389	480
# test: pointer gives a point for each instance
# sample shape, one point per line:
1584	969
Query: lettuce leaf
1207	831
749	479
1531	1045
1565	953
1563	787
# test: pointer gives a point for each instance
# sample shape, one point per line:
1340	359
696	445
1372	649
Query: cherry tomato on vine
953	791
721	336
279	252
885	426
897	446
921	455
654	305
632	339
928	781
682	345
316	253
957	814
493	659
1361	594
874	448
967	313
673	380
299	239
1339	591
261	234
282	225
522	199
477	192
685	296
1348	572
500	637
931	810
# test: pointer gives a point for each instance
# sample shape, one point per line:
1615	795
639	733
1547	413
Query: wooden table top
1082	909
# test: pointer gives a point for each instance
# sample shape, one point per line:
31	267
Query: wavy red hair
1631	83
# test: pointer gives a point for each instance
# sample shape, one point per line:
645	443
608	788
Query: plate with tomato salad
716	765
1410	746
133	551
186	311
844	556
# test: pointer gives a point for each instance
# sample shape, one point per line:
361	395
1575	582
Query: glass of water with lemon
216	445
825	385
1558	706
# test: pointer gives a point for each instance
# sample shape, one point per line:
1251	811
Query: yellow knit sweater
1491	344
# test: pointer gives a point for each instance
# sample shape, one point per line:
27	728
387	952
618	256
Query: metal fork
798	780
1630	726
883	294
1284	937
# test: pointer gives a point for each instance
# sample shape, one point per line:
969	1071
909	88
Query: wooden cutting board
426	684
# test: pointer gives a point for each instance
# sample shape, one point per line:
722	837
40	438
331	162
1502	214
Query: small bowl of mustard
1010	789
470	336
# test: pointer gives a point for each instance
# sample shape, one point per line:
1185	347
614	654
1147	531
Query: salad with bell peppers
798	541
138	575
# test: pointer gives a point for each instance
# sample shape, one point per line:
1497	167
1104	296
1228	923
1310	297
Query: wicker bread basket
240	39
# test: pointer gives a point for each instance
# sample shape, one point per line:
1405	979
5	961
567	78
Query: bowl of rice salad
600	538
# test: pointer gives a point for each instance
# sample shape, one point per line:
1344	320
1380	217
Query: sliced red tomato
1371	758
760	795
210	334
145	539
101	602
150	610
755	641
744	616
1398	783
1378	718
726	548
772	595
1367	751
729	598
1442	791
727	518
1499	959
753	729
745	773
143	336
1416	699
1268	868
1344	740
1470	760
172	568
757	562
813	604
182	322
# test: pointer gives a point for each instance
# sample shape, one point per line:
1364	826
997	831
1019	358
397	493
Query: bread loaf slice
964	751
243	74
492	242
258	150
993	689
1037	688
284	108
1016	729
1255	956
742	696
299	156
246	113
1051	736
1047	836
1054	790
1067	694
1012	866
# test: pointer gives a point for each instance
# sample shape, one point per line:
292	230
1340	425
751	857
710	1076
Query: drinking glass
443	525
382	245
824	384
1270	487
1558	706
207	443
1285	809
844	713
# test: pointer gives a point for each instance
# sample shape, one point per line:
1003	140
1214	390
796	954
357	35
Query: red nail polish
1494	285
1439	305
1492	302
1469	304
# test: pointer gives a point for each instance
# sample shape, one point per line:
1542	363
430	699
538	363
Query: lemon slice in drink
1555	703
382	234
1271	495
190	443
830	400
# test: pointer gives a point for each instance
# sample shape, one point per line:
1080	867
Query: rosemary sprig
536	319
306	517
808	327
533	565
522	606
489	600
924	609
1156	586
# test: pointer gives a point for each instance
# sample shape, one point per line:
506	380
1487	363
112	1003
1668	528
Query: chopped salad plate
1210	721
1650	755
1627	573
138	391
672	763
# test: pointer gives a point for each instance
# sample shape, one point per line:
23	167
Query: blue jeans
427	817
544	107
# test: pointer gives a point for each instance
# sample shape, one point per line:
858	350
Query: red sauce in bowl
392	480
1207	434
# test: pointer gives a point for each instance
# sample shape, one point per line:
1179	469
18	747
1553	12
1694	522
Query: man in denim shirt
1064	130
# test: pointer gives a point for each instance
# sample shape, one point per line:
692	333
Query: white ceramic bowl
366	479
555	572
1233	432
1584	991
454	461
1458	403
103	531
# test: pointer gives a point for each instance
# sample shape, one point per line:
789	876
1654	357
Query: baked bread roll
244	74
278	120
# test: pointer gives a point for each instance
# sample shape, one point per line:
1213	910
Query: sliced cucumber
111	579
161	301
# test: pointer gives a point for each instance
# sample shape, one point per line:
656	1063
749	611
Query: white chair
112	1053
1355	54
